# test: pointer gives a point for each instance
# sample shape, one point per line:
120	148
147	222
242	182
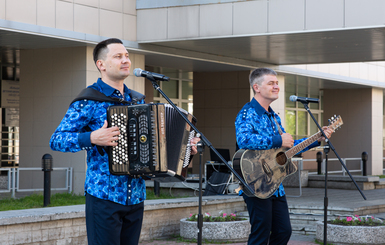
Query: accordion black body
153	141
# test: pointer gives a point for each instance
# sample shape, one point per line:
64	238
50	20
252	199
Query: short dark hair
102	46
256	76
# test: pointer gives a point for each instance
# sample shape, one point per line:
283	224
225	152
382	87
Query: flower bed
353	230
222	228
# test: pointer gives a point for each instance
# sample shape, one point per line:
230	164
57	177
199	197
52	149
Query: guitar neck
293	151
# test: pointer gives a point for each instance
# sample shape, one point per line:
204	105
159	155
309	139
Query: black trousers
112	223
269	219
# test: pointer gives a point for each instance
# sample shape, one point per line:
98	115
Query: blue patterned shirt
256	129
71	136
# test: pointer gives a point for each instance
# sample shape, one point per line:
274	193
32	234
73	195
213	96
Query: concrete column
362	113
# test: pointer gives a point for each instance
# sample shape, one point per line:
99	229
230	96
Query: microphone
303	99
147	74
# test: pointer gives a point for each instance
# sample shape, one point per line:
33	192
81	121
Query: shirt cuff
315	144
277	141
85	140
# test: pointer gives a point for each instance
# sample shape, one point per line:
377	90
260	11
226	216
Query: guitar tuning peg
335	115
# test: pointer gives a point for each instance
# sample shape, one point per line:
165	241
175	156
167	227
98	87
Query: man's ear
100	65
256	87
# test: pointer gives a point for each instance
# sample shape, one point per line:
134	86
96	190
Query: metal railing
14	180
343	171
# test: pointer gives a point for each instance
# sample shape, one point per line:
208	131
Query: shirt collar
108	90
259	109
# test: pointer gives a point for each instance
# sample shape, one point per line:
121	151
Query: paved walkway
351	199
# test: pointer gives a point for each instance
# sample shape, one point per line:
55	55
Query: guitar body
263	170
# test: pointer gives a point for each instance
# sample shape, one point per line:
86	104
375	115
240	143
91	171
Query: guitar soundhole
281	158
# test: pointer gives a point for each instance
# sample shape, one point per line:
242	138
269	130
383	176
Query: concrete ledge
343	182
66	224
41	214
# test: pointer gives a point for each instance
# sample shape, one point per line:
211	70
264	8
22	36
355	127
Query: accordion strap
93	94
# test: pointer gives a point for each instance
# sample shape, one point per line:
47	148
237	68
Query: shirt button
129	190
129	185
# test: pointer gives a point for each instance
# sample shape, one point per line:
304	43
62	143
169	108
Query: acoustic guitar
264	170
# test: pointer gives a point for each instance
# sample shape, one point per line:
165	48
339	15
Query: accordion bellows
153	141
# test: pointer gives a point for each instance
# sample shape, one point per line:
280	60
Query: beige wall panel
61	107
216	106
2	9
61	86
111	24
66	54
320	14
83	22
152	24
64	15
250	17
129	7
364	13
112	5
228	116
381	73
21	11
286	15
216	20
46	13
79	82
183	22
51	78
129	27
229	80
90	64
92	3
372	73
362	113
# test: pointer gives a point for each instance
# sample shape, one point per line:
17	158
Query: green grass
61	199
37	201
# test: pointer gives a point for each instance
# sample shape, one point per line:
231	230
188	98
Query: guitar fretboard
290	153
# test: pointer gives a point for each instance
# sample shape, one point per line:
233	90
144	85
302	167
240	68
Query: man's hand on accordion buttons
105	136
193	142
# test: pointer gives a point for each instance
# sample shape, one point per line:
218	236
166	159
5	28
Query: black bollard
319	161
47	168
156	188
364	157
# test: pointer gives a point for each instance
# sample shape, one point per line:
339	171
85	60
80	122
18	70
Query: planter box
216	231
342	235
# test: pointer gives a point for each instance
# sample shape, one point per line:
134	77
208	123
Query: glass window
302	124
298	122
290	122
187	89
313	126
170	88
179	88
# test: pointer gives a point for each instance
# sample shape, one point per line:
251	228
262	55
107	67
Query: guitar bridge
265	167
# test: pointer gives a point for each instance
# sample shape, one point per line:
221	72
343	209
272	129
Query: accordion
154	141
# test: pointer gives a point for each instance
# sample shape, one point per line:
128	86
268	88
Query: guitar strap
276	123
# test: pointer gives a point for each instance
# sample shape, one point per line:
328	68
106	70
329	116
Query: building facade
332	50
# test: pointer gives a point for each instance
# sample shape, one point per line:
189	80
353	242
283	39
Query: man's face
269	88
116	64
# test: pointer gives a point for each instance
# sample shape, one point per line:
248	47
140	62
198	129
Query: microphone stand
200	147
330	146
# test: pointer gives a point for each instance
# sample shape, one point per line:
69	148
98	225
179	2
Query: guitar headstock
335	122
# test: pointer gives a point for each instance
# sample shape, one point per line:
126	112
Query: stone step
304	229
